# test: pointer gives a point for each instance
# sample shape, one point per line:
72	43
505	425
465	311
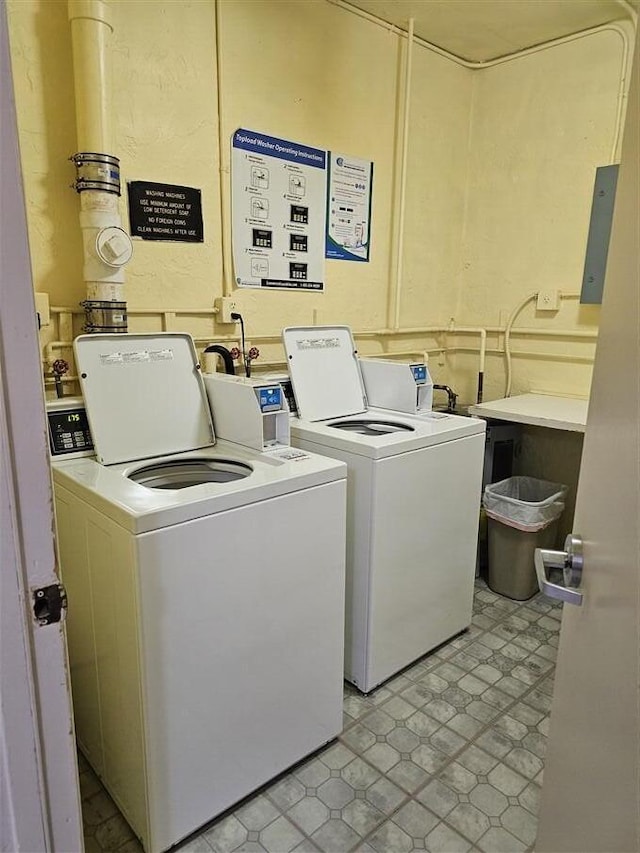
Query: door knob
570	561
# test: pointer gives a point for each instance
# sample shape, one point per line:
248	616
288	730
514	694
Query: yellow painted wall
40	42
166	130
500	166
541	124
437	174
314	73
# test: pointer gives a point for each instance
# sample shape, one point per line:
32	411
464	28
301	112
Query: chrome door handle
571	563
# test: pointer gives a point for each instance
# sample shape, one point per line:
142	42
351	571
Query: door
591	791
39	799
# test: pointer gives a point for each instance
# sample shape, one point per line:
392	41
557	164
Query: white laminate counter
547	410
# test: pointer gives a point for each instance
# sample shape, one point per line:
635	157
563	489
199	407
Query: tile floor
448	756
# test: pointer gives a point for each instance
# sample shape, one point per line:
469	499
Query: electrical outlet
226	306
548	300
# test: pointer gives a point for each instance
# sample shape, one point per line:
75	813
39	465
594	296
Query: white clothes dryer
206	591
412	507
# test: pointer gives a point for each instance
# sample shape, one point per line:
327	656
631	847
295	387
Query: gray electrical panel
595	263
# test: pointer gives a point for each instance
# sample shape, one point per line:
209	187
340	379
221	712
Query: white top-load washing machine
205	585
398	385
412	506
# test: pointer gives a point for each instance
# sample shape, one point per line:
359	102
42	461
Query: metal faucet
451	396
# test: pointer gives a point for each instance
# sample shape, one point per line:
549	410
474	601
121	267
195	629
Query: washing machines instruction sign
349	208
165	212
278	212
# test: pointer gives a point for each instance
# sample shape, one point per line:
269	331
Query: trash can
523	515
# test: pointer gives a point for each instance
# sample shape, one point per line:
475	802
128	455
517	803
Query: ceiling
482	30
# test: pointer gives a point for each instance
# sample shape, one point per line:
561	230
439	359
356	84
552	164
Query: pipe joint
96	171
105	316
107	250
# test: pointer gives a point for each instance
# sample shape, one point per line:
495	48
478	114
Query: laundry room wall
500	166
436	188
165	128
311	72
40	41
541	125
165	119
316	73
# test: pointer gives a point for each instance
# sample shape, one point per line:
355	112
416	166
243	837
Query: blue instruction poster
349	196
279	191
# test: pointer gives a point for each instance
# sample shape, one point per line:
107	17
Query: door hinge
49	604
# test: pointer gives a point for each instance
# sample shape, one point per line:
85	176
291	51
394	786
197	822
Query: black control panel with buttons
69	431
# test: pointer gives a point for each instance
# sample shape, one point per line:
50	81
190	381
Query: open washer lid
324	370
144	395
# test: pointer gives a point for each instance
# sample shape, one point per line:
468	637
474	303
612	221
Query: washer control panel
269	398
419	373
68	428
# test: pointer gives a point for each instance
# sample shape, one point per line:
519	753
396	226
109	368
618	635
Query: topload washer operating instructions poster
278	212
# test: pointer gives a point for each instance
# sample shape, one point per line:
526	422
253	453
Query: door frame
39	788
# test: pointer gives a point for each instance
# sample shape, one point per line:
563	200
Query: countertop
547	410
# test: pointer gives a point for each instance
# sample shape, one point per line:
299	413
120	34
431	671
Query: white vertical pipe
626	33
224	169
403	177
473	330
91	31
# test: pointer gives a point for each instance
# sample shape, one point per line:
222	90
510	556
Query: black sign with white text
165	212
